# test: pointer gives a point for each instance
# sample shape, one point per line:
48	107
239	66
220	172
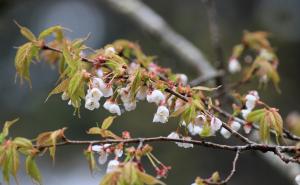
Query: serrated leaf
50	31
62	87
74	84
26	32
107	122
68	57
32	170
23	60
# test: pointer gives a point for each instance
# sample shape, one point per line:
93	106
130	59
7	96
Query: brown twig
227	179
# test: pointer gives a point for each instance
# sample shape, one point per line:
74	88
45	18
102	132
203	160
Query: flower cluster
104	151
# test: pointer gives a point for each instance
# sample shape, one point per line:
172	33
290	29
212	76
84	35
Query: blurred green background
280	17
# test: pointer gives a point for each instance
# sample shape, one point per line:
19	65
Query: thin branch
247	147
228	178
155	25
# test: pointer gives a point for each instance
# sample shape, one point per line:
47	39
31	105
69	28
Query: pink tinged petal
247	128
100	73
215	123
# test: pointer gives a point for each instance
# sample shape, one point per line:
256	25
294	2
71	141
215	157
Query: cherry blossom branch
233	170
276	149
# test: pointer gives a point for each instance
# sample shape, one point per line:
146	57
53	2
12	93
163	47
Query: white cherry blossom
183	79
234	66
115	109
156	96
215	123
225	133
91	104
65	96
161	115
186	145
235	126
112	166
129	106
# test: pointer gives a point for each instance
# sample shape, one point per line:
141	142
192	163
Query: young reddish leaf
23	59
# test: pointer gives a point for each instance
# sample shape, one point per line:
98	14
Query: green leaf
5	130
74	84
26	32
50	31
136	83
256	116
68	57
91	160
32	169
103	132
264	128
107	122
23	60
62	87
15	162
179	111
148	179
